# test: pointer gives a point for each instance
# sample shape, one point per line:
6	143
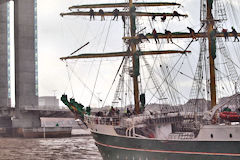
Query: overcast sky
59	37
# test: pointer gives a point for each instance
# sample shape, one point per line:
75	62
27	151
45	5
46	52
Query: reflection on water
81	148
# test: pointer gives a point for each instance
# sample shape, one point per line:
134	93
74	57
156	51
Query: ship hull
127	148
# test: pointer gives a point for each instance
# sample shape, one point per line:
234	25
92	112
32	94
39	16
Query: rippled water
81	148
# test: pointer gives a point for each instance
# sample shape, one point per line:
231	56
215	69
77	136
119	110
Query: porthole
211	135
230	135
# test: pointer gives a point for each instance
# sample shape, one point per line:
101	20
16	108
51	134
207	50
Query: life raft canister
230	116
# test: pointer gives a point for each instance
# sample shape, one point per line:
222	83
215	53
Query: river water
74	148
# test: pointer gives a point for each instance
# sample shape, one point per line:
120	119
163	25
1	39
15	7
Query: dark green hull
124	148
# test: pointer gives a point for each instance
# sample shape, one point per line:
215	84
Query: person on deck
111	112
235	34
169	35
115	14
192	32
155	36
225	33
175	13
91	12
128	112
101	12
117	112
163	18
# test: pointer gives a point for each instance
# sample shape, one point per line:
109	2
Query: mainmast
210	33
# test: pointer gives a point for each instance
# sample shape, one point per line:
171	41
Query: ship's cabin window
211	135
230	135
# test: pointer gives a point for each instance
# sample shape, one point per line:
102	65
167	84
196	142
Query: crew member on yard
163	18
169	35
101	12
235	34
115	14
225	33
141	37
153	18
192	32
124	20
175	13
155	36
91	12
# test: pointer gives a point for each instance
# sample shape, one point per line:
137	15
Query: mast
133	51
210	25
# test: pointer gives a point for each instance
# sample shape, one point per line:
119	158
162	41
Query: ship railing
181	135
115	121
191	115
132	120
145	119
130	132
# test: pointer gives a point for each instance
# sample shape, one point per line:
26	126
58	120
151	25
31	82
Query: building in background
48	102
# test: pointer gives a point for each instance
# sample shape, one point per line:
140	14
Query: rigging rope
113	81
100	62
69	78
166	76
84	84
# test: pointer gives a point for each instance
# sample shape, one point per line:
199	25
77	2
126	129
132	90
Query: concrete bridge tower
5	120
26	116
25	35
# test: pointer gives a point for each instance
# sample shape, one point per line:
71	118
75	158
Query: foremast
132	10
211	44
134	54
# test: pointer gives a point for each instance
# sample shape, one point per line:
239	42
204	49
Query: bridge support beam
5	122
25	77
26	120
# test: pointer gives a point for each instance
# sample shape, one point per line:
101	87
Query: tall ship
147	119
